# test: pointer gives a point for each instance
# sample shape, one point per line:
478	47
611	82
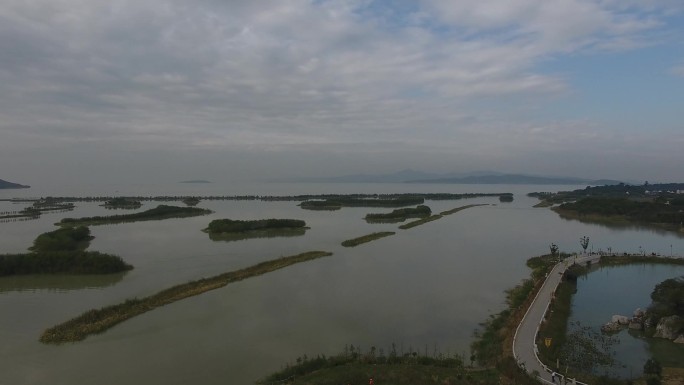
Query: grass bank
436	217
366	238
99	320
158	213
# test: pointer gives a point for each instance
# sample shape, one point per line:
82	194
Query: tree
584	241
554	250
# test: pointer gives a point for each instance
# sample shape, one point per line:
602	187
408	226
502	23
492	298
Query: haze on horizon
170	90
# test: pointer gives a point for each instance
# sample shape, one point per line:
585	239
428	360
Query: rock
638	313
611	327
621	319
680	339
636	325
668	327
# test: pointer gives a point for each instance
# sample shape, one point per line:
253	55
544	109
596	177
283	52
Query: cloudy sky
167	90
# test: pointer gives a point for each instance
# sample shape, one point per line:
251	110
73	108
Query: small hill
8	185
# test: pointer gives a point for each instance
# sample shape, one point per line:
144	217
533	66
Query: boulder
638	313
680	339
668	327
621	319
611	327
636	325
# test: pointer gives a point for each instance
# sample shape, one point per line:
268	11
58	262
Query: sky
129	91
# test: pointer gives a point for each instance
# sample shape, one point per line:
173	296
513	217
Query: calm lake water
427	287
621	290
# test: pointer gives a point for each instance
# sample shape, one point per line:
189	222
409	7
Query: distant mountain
403	176
518	179
195	181
479	177
7	185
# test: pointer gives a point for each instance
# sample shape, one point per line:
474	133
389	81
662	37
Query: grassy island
238	230
158	213
99	320
238	226
122	203
399	215
62	252
366	238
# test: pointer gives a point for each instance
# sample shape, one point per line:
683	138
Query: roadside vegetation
99	320
366	238
62	252
354	366
158	213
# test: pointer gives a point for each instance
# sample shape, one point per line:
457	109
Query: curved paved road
524	347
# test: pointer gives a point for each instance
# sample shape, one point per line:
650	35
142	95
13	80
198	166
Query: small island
236	230
158	213
62	252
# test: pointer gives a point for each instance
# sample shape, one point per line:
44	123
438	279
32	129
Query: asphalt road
524	348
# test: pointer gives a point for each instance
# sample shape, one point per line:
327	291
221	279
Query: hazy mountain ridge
8	185
479	177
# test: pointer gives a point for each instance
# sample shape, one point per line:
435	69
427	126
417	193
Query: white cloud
678	70
276	74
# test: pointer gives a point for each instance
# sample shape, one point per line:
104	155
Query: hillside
8	185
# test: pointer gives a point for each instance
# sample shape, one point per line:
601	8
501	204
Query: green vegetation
436	217
62	251
655	205
420	222
506	198
366	238
356	367
122	203
99	320
65	239
255	234
399	215
338	202
457	209
668	300
191	201
158	213
61	262
218	226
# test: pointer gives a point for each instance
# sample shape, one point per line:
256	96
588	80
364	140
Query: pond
620	290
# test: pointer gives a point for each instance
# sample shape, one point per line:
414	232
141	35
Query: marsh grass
158	213
366	238
99	320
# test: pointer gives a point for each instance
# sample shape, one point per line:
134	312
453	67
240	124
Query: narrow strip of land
524	345
99	320
436	217
366	238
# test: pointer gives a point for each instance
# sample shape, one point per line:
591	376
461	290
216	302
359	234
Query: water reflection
58	282
255	234
621	226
